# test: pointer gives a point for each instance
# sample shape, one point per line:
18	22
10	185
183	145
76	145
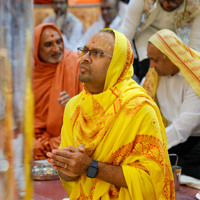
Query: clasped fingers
70	159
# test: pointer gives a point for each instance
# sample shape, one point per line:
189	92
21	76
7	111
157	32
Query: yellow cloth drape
28	120
121	126
185	58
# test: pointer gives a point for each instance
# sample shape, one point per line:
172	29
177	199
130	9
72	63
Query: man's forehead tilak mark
97	41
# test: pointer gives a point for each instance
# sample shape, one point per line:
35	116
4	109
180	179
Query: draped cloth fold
185	58
120	126
48	81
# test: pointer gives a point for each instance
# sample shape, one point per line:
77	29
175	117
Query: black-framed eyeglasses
93	53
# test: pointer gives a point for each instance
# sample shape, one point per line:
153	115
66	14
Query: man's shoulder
74	101
49	19
94	28
139	97
71	60
116	23
72	18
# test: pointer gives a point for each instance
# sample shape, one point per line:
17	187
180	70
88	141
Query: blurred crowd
174	82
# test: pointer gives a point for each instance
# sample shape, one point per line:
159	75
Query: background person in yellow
177	92
145	17
113	142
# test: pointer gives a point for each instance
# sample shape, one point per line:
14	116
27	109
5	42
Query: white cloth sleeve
132	18
195	34
187	121
66	42
76	35
46	20
94	28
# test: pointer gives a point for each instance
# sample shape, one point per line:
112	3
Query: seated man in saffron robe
113	142
174	82
55	81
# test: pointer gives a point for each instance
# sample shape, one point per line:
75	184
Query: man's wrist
67	178
92	170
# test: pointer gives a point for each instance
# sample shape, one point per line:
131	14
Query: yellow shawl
121	126
185	58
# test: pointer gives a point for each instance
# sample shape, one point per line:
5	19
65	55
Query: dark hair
107	30
65	1
125	1
116	2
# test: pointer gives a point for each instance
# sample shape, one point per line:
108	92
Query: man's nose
152	64
87	56
55	47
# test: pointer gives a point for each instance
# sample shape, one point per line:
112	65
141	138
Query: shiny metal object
176	172
44	172
177	175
